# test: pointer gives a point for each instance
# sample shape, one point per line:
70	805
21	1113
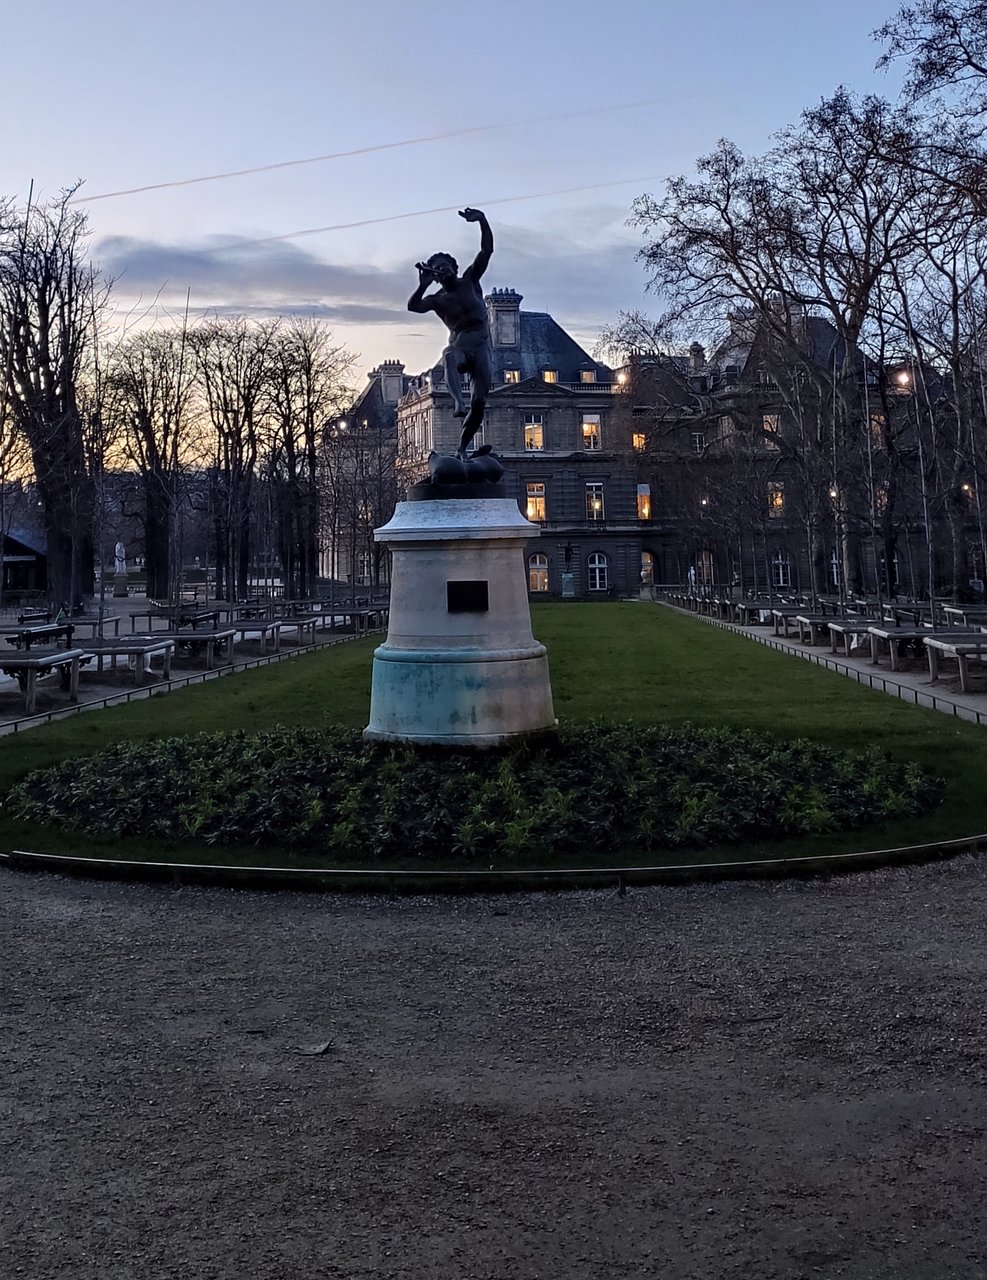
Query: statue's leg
481	372
451	363
473	423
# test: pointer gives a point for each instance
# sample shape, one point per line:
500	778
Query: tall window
639	441
535	509
697	440
550	375
644	502
770	424
776	498
534	432
836	570
647	567
512	376
538	572
594	500
587	375
591	431
598	571
781	569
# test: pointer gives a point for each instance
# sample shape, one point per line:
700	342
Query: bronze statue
459	303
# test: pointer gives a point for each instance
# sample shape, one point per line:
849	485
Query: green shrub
629	789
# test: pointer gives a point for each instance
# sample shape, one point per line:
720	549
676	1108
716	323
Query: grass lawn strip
611	661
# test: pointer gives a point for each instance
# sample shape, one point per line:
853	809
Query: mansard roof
546	345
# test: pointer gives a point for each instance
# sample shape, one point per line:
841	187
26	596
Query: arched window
538	572
647	568
598	570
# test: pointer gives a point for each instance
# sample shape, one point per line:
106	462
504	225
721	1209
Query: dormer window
512	376
587	375
550	375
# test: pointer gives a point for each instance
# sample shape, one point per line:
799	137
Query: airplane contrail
362	151
421	213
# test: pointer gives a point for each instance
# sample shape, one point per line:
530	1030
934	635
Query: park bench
25	666
41	633
139	650
30	616
962	649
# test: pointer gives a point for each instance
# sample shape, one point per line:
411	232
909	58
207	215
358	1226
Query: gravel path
741	1080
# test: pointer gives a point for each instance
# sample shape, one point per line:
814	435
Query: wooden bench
41	633
30	616
209	643
138	649
938	647
300	625
26	667
263	628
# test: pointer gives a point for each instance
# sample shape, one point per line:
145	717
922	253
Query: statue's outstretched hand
471	215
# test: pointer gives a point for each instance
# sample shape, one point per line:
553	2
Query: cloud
577	264
239	274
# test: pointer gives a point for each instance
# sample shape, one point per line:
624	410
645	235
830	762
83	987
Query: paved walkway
770	1081
912	685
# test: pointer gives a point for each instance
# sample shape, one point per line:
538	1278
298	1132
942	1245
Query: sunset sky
612	97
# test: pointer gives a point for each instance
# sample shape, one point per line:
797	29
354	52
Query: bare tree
50	304
308	372
151	389
232	360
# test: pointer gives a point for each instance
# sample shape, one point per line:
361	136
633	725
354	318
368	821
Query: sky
550	116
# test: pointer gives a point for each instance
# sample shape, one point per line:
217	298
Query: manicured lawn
631	662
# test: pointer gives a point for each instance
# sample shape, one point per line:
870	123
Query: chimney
697	356
504	314
391	374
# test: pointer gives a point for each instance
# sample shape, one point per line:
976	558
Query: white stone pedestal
459	666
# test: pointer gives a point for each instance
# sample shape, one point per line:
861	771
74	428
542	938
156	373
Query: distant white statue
120	552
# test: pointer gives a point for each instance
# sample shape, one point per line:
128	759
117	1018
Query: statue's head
443	266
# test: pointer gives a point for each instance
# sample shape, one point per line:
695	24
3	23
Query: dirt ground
709	1082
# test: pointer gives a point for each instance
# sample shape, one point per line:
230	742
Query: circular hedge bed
624	789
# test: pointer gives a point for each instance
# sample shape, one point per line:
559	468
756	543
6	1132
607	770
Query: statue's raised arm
482	259
458	302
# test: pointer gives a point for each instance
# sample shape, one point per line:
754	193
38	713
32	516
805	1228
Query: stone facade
569	460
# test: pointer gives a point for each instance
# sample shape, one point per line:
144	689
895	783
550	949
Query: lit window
587	375
781	569
877	425
639	441
647	567
770	422
550	375
697	440
591	431
536	501
534	432
594	500
776	499
538	572
644	502
598	572
512	376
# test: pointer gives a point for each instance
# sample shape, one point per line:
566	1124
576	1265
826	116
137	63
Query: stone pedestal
460	666
120	585
568	586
